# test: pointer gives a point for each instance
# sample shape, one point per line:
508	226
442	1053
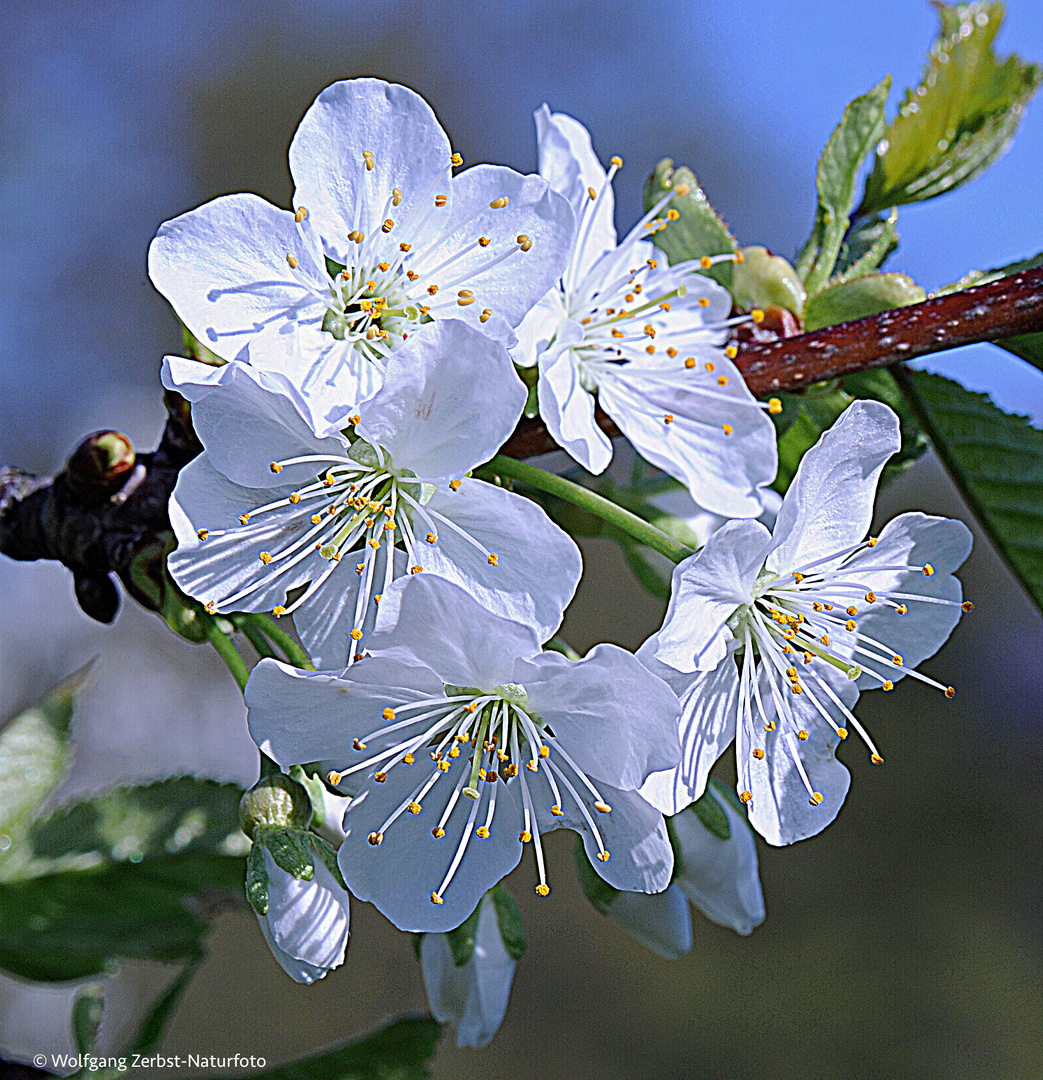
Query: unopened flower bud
276	802
763	280
101	464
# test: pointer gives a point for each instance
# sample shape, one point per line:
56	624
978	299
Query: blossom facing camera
462	742
769	637
468	973
270	506
382	239
644	337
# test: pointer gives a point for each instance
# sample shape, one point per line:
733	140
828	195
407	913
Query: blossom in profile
468	982
646	339
381	240
270	507
462	743
769	637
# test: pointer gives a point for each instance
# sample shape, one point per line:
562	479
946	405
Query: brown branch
1013	305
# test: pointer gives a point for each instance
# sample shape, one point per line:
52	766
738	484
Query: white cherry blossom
382	238
270	506
646	339
769	637
462	742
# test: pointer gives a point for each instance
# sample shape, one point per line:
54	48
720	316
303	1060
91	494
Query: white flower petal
829	504
538	328
567	408
428	620
613	717
661	922
399	875
706	590
538	566
408	146
720	876
298	716
307	922
450	400
474	995
709	706
725	473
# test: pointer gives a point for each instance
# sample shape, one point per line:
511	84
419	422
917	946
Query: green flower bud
276	802
763	280
101	464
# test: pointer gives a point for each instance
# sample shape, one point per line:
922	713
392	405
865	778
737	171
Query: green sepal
848	146
509	921
709	811
87	1010
764	280
867	246
461	941
560	645
329	858
595	888
316	791
196	350
257	880
333	268
961	117
698	231
291	850
728	795
857	297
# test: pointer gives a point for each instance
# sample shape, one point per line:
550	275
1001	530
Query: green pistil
471	791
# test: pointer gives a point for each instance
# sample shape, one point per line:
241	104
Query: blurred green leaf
400	1051
709	811
509	921
653	577
867	246
33	759
860	296
461	941
87	1010
961	117
1028	347
850	144
996	460
699	231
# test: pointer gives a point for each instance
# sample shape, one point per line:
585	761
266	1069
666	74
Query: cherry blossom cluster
370	350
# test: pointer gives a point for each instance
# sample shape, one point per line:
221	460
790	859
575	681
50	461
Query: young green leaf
850	144
996	460
854	298
699	230
867	246
961	117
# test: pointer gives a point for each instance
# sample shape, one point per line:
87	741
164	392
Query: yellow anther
602	807
542	890
557	811
850	624
333	777
704	301
774	406
386	227
431	537
291	261
374	544
769	726
544	751
532	766
359	567
727	429
791	672
757	315
746	797
463	301
359	237
897	659
417	569
711	366
493	559
202	533
440	200
301	214
408	759
618	333
706	262
486	315
870	597
758	754
454	485
731	351
689	363
414	808
653	263
668	418
802	735
796	688
824	639
436	899
457	160
672	214
841	733
388	713
265	557
438	832
443	766
816	798
797	576
380	777
396	196
482	832
887	685
375	838
872	542
454	752
808	657
965	606
481	774
432	289
722	380
681	190
278	611
928	570
950	691
604	856
876	759
738	257
617	161
902	609
852	610
525	836
367	157
484	241
498	204
316	518
356	634
244	519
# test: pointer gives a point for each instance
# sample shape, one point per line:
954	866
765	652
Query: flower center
498	748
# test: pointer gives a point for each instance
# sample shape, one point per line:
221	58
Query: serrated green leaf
764	280
86	1017
461	941
291	850
867	246
509	921
996	459
400	1051
860	296
699	230
849	145
709	811
595	888
961	117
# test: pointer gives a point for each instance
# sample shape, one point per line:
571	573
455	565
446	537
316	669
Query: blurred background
907	940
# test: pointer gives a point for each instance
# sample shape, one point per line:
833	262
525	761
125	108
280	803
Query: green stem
286	642
641	530
252	634
226	650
